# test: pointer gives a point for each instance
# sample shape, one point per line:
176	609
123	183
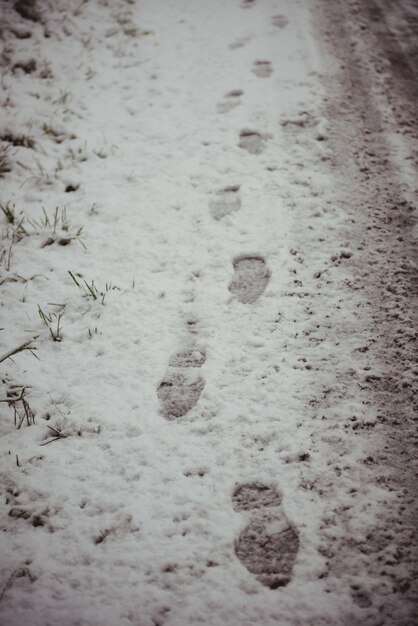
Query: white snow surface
127	517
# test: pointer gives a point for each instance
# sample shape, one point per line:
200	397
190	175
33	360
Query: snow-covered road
208	229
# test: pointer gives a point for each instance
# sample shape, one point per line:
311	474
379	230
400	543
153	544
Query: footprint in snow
232	100
252	141
262	69
250	279
225	202
239	43
182	385
280	21
268	545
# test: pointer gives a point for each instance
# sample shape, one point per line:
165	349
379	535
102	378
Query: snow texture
195	442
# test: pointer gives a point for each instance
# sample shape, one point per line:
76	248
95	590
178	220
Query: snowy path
212	437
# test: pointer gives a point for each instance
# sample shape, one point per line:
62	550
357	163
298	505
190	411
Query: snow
116	511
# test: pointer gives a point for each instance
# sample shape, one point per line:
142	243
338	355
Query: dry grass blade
27	345
22	412
57	433
19	572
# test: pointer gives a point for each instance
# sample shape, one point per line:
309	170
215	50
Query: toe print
250	279
225	202
268	545
262	69
252	141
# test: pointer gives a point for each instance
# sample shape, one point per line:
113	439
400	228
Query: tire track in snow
372	106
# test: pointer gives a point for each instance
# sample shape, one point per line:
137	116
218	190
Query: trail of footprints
268	544
182	385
